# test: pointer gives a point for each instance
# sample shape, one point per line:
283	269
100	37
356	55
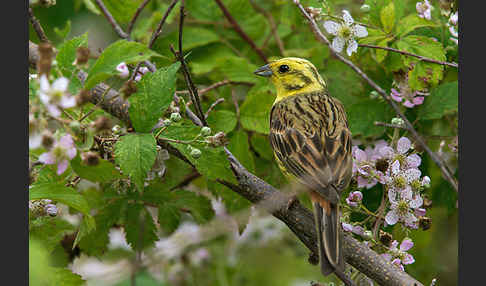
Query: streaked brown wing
320	160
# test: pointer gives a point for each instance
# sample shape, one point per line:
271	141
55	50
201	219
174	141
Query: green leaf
195	37
240	147
412	22
387	16
87	225
255	110
424	74
155	91
261	145
104	172
199	205
237	69
443	100
185	130
64	276
65	58
139	226
59	192
135	153
363	114
169	218
49	230
64	32
422	46
122	10
114	54
95	243
222	120
381	54
91	7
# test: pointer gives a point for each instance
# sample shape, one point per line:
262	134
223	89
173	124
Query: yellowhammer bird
311	141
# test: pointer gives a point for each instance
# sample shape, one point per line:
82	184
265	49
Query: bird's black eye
283	68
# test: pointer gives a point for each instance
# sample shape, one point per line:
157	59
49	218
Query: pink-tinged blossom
398	256
424	9
354	198
60	154
356	229
122	70
364	164
403	205
347	227
408	100
141	72
55	96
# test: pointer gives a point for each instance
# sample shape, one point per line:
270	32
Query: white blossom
345	33
55	96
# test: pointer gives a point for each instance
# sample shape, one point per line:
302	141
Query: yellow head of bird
292	76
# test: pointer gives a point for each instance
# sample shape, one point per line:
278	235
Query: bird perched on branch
311	141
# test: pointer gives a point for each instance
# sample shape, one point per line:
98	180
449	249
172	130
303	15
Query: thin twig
157	32
218	101
112	20
437	159
238	30
214	86
37	27
187	76
422	58
273	26
135	16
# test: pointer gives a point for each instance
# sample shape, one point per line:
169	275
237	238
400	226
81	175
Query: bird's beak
265	71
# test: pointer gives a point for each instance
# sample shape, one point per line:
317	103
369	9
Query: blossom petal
44	84
347	226
413	161
53	110
418	100
71	152
47	158
420	212
408	259
60	84
331	27
66	141
391	217
416	202
347	18
409	219
408	104
68	101
360	31
387	152
406	244
403	145
412	174
360	155
395	167
386	256
35	141
338	44
394	245
396	95
44	97
62	166
352	47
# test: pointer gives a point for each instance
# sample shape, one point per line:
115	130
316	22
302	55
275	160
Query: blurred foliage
121	190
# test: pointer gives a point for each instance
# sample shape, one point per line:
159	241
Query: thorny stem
112	20
447	173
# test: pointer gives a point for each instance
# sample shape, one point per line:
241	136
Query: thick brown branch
238	30
437	159
422	58
299	219
37	27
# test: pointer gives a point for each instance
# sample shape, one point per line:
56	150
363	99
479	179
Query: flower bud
47	140
195	153
425	222
45	58
51	209
75	126
218	139
82	56
385	238
365	8
367	235
205	131
102	123
116	129
82	97
374	94
167	122
176	117
90	158
397	121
